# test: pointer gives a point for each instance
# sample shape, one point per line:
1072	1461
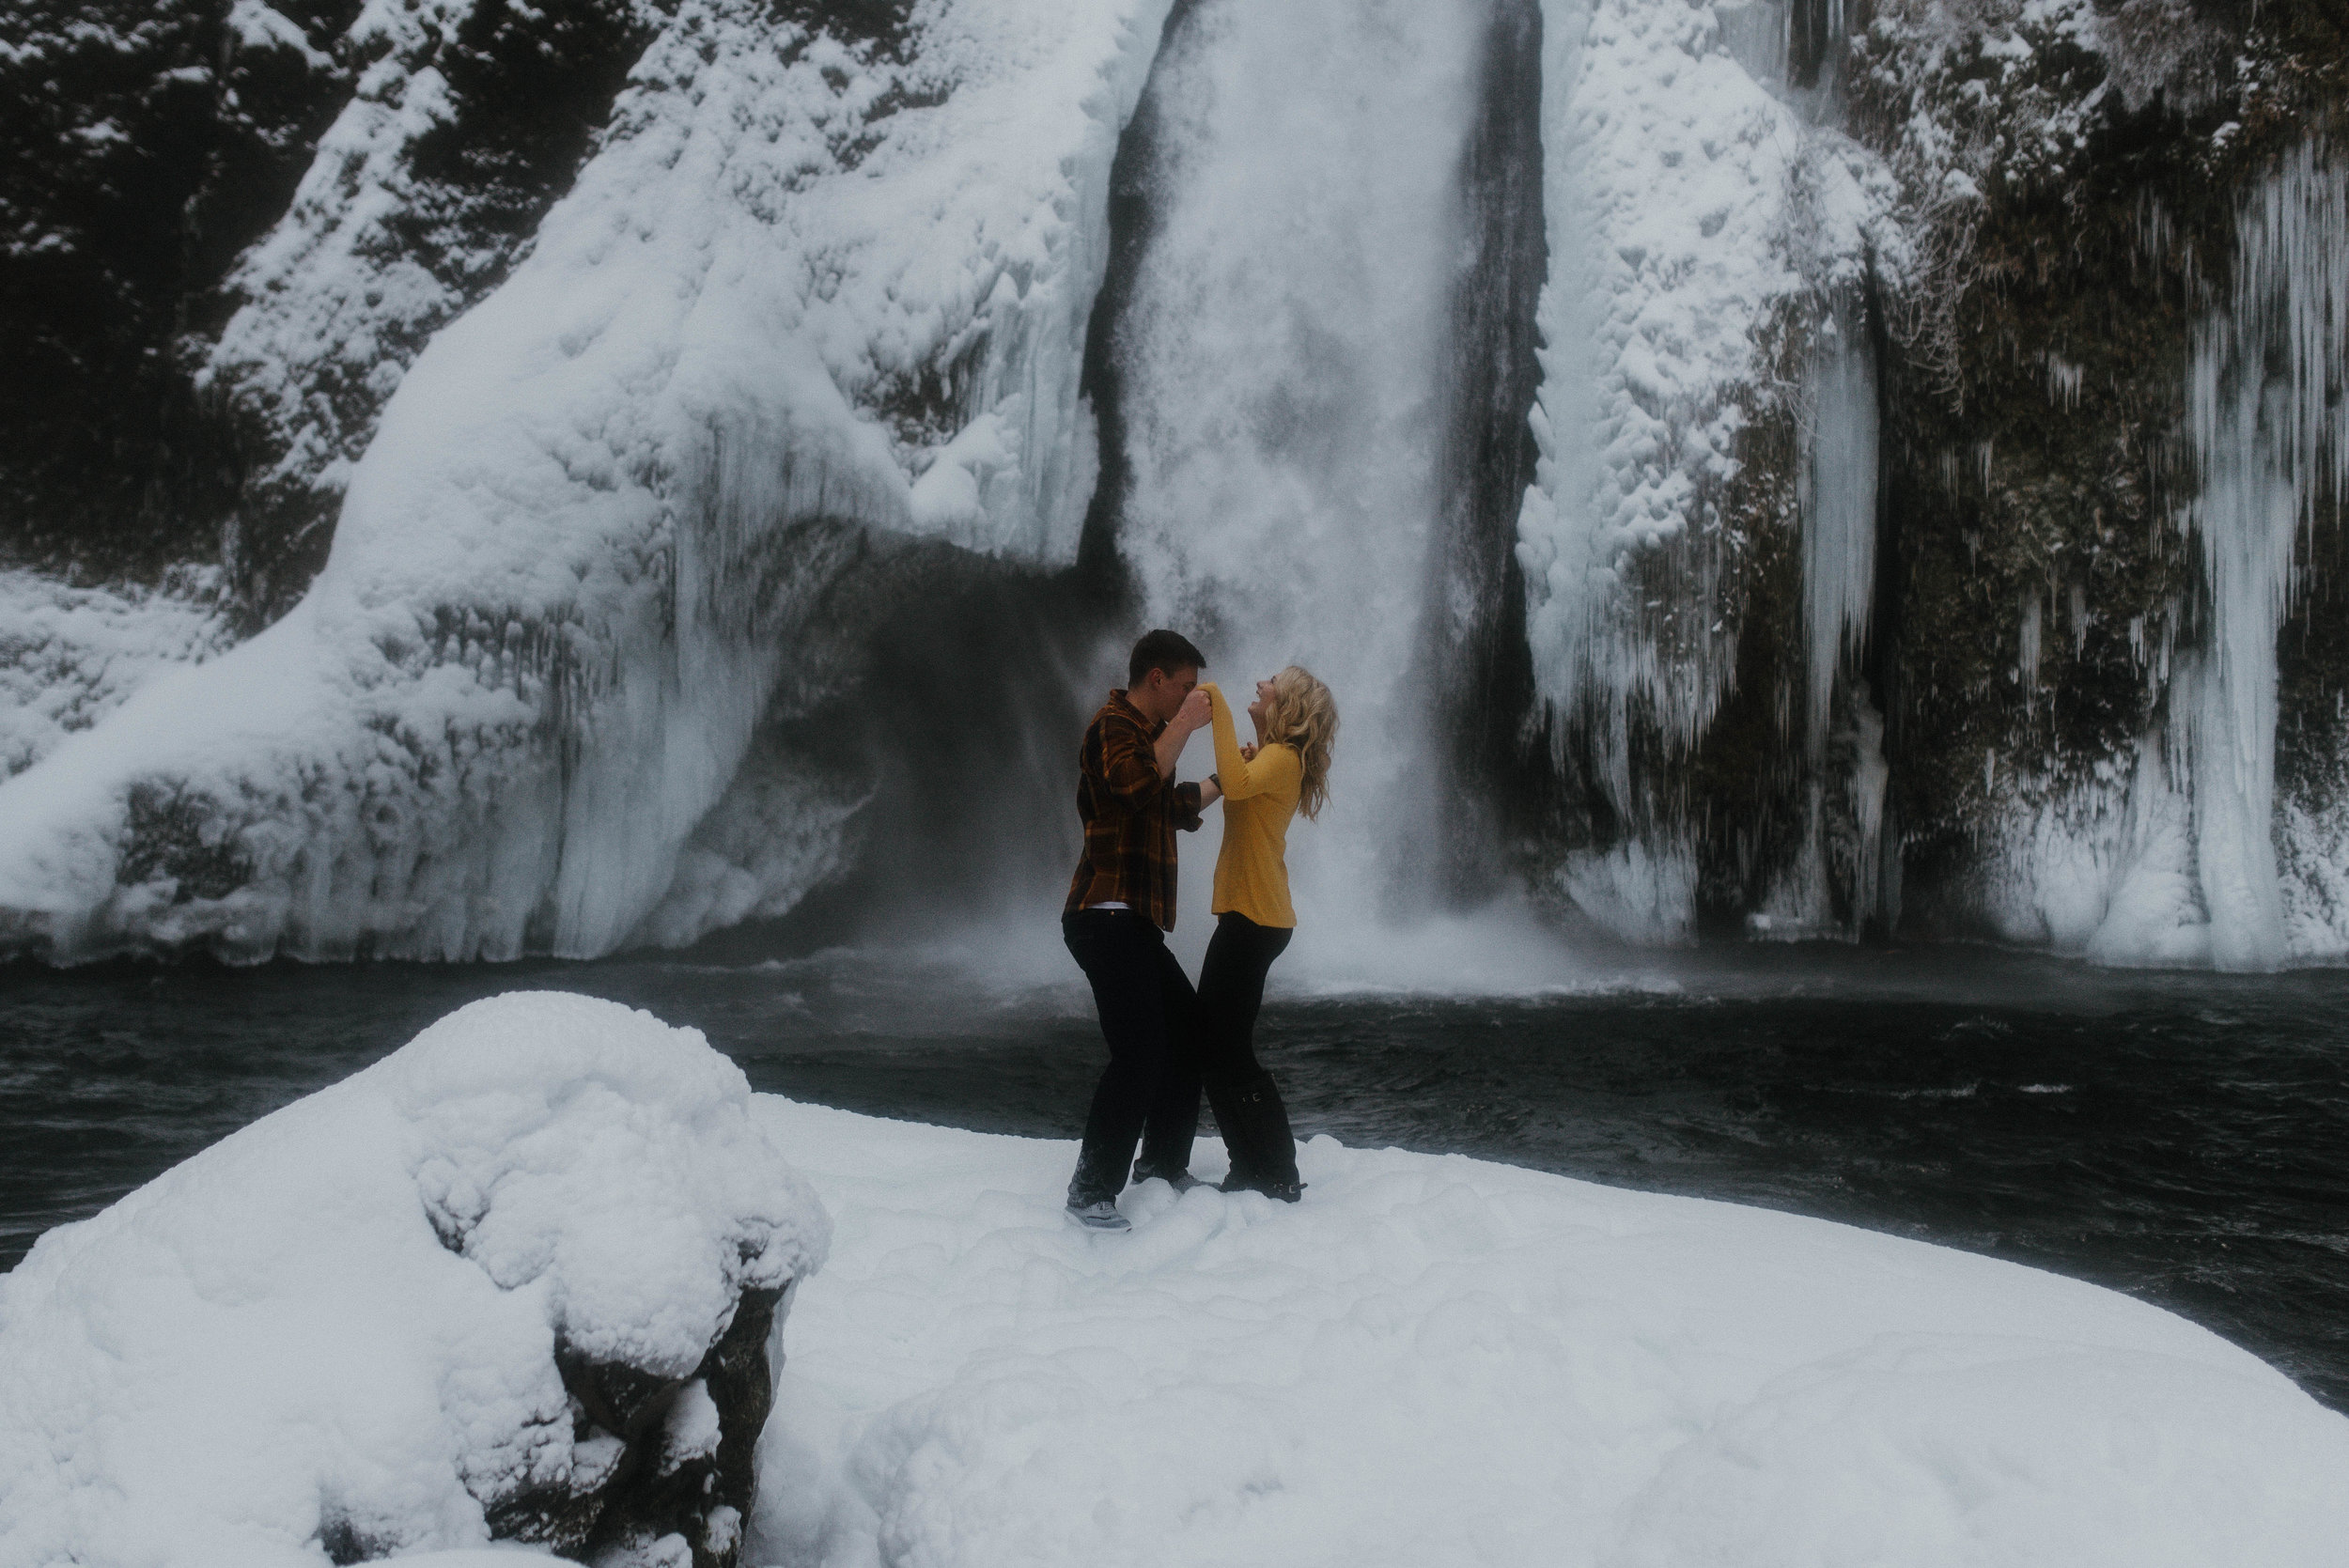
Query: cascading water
1284	362
2270	424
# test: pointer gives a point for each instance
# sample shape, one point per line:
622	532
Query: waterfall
1283	365
2270	426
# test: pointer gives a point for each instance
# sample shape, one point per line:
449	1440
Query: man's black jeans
1149	1017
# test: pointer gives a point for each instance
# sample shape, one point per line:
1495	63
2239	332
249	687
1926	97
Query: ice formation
2183	853
1693	210
2268	405
805	288
1438	1359
362	1325
1285	361
70	656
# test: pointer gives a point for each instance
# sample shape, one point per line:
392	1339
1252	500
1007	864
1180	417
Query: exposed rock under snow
521	1279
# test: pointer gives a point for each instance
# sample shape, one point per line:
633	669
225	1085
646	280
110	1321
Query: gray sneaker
1102	1216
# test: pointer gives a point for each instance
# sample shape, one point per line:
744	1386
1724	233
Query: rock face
2001	687
231	225
526	1280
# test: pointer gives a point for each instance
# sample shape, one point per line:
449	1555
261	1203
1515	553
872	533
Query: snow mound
602	510
396	1315
1437	1359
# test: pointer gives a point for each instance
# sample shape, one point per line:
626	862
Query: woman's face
1264	699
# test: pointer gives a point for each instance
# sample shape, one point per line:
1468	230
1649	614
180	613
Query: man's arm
1168	748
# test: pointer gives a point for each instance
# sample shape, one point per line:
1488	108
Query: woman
1263	786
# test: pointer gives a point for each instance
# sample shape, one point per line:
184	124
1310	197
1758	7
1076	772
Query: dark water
2182	1137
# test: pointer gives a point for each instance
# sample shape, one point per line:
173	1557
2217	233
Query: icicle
2270	426
2026	659
1839	497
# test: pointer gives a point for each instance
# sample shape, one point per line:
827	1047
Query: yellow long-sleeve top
1252	871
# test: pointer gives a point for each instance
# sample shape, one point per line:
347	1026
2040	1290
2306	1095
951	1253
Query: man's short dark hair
1162	650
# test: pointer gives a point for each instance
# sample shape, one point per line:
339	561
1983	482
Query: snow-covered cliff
808	287
1925	526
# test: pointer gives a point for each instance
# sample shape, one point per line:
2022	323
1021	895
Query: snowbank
498	1281
807	287
1443	1360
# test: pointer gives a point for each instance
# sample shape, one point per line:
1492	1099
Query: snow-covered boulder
525	1278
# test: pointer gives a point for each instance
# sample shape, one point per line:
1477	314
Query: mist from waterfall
2270	426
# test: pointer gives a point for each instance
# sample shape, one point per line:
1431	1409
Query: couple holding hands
1167	1041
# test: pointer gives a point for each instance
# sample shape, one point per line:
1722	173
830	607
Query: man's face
1161	692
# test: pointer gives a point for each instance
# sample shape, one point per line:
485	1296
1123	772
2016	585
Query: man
1121	905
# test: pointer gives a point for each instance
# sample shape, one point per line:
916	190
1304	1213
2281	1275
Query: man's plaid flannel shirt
1131	813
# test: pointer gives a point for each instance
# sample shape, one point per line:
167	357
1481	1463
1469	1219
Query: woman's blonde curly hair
1304	716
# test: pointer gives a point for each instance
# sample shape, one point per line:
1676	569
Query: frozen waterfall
2268	409
1695	214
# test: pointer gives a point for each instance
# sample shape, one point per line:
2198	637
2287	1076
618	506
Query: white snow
69	656
569	569
1437	1359
346	1314
336	301
1430	1360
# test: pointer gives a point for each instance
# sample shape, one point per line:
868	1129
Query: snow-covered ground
339	1327
1440	1360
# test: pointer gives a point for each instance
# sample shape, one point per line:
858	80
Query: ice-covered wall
1701	223
806	288
2180	850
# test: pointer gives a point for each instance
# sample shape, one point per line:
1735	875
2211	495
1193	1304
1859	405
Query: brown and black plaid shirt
1130	812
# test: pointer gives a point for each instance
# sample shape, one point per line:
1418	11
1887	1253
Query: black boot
1256	1131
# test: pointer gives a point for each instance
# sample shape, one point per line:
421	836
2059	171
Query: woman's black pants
1246	1106
1150	1017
